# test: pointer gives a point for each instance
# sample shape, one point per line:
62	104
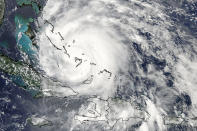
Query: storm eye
99	64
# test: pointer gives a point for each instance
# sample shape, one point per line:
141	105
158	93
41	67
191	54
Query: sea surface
98	65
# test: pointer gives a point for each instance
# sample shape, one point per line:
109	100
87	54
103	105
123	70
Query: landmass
39	121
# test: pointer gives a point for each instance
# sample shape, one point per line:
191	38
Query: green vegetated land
22	74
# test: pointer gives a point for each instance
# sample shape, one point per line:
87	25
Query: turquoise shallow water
147	75
23	41
4	45
21	2
18	80
29	2
13	48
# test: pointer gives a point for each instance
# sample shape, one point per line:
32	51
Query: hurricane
114	65
116	53
82	49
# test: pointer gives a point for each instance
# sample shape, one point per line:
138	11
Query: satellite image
98	65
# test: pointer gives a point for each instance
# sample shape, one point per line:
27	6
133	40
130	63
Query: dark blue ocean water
16	105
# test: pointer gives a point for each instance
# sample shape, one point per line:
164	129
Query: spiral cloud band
82	49
123	58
